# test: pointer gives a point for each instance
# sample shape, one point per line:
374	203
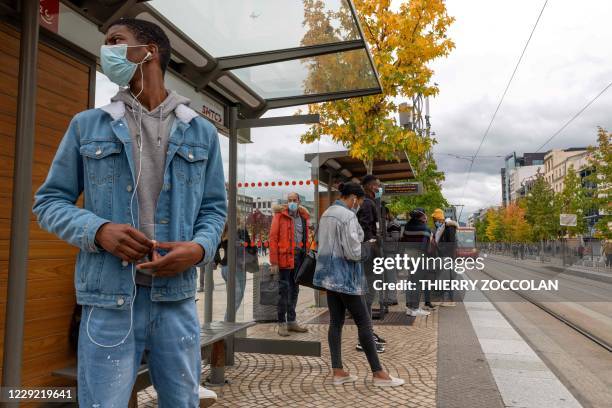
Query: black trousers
337	304
289	291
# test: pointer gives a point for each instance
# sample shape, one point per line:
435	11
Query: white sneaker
392	382
207	397
417	312
345	380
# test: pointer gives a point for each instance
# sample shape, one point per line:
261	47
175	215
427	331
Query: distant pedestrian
418	235
368	220
289	241
340	272
446	246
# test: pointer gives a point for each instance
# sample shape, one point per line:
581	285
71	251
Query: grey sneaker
295	327
283	330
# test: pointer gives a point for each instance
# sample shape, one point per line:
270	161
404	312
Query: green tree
601	178
431	198
541	210
573	200
481	229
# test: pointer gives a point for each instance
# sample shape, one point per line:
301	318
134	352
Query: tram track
604	343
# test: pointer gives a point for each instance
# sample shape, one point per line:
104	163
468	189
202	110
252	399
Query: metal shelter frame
243	108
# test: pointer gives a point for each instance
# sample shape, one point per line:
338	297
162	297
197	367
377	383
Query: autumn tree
495	228
601	180
403	42
515	226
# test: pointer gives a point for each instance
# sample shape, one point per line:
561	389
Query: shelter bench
213	336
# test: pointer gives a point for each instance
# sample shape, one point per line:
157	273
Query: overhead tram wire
501	100
566	124
576	115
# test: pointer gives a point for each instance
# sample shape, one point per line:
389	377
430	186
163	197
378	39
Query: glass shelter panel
226	28
324	74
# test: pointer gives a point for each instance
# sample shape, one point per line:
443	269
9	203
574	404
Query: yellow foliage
402	42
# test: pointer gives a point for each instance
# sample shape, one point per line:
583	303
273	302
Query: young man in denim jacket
150	171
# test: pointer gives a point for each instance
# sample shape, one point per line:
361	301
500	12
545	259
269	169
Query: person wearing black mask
368	219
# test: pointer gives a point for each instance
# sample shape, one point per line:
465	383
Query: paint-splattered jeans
169	331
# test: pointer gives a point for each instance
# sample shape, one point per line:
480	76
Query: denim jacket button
129	188
190	155
163	221
124	263
120	301
98	152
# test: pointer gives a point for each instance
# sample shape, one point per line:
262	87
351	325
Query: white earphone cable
134	222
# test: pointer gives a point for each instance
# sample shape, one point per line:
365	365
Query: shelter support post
22	197
209	286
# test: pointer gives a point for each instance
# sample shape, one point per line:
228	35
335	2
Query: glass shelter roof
263	54
225	28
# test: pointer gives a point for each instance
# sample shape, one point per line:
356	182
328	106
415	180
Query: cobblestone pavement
259	380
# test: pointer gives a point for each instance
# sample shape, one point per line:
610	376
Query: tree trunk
369	164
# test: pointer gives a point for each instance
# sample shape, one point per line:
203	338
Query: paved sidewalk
259	380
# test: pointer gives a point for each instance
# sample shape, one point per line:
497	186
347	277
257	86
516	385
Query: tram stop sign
403	189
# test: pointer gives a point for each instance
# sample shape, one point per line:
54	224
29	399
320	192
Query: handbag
269	288
305	273
251	261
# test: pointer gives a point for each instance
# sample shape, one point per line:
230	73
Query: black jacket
418	234
368	217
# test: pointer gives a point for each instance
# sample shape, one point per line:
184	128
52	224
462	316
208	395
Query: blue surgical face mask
293	206
378	193
438	223
115	64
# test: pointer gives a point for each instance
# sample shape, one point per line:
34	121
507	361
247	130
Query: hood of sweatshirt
161	112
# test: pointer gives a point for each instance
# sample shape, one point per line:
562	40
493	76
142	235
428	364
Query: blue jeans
240	284
169	331
288	291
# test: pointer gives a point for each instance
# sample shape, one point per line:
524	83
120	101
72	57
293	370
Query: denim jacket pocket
100	159
191	163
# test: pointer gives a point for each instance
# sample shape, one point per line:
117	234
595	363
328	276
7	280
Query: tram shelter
235	61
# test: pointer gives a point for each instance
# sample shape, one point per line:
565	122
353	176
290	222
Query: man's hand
123	241
180	257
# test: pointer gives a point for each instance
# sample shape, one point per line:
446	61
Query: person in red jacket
289	240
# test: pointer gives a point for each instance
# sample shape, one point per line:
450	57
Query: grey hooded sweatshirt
155	126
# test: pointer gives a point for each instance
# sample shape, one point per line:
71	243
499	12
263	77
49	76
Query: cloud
565	65
563	68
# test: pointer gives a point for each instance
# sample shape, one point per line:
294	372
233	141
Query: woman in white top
339	271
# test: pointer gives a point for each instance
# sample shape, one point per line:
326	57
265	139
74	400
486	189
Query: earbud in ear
148	56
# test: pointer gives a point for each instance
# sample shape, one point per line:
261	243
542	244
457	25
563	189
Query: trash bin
262	313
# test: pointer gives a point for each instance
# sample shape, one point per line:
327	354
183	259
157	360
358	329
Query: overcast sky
567	63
